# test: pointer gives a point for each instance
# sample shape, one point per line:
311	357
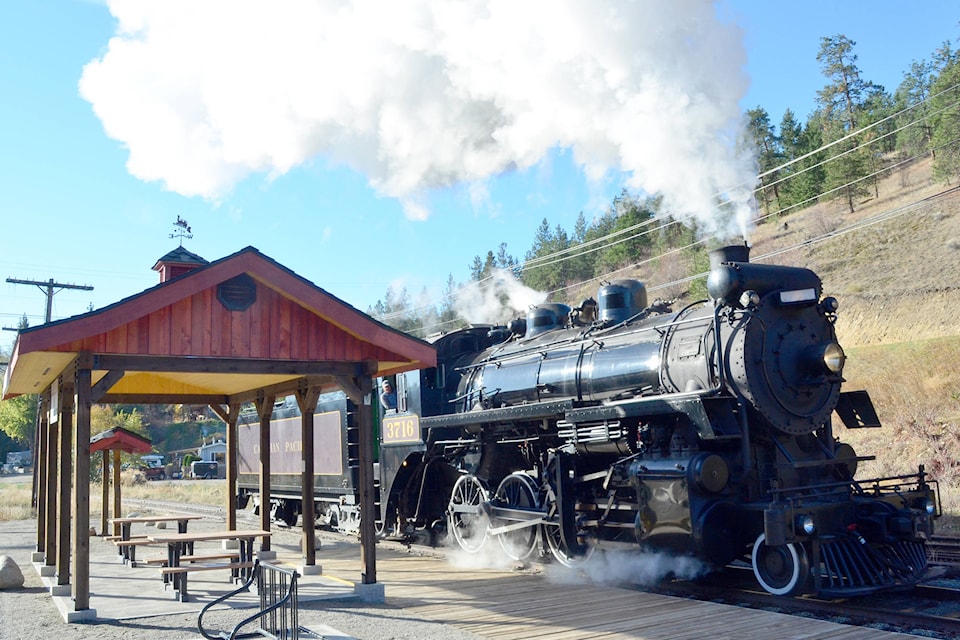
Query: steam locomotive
705	431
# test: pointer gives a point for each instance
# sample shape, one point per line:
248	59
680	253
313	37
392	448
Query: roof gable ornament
237	293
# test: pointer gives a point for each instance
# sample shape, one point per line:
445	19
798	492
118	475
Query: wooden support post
307	397
368	530
105	492
40	471
232	471
53	488
81	490
264	404
230	414
65	476
360	390
116	491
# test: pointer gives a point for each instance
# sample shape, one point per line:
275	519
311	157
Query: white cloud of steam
619	567
497	300
418	94
605	567
489	555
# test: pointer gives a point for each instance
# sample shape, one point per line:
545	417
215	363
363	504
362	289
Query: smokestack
730	253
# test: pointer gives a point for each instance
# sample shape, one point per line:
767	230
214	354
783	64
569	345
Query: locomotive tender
621	425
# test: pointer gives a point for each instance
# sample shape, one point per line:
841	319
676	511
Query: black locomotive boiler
621	425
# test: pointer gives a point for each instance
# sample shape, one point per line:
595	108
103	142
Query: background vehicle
152	467
204	470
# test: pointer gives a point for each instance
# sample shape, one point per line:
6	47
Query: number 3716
401	429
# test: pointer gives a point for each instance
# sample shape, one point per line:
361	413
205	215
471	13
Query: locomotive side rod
536	518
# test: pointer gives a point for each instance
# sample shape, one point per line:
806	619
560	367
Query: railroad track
930	611
944	551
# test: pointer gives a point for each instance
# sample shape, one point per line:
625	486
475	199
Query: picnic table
181	545
127	546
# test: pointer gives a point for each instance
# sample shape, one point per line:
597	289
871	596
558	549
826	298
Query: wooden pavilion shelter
240	329
118	440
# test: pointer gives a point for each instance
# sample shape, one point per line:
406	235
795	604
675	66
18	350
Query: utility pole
50	288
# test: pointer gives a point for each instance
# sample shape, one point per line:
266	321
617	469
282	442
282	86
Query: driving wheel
466	519
517	491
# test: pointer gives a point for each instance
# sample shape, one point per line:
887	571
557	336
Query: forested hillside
837	191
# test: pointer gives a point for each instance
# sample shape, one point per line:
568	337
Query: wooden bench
114	539
180	574
128	548
226	555
162	561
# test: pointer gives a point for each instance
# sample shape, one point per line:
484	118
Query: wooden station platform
496	603
509	605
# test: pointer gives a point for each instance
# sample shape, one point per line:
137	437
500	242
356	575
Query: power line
608	240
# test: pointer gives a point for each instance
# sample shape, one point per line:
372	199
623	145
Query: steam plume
418	94
496	301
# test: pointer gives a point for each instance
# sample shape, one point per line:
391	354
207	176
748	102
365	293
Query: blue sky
359	207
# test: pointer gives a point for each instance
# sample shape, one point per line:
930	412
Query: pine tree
878	140
630	215
915	129
762	138
791	145
840	102
546	267
584	258
945	121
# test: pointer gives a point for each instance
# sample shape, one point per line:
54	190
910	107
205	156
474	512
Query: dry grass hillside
894	263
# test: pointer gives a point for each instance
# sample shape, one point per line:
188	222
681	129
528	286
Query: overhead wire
664	222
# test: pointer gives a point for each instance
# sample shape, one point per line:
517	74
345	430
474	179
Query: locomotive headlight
830	304
805	523
834	357
749	298
929	507
820	359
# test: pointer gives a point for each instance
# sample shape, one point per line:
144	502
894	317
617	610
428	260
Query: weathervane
183	230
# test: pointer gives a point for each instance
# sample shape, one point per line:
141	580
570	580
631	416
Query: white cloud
420	94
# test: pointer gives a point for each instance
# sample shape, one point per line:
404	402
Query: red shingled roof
120	438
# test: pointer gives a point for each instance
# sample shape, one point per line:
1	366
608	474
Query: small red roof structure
116	439
122	439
